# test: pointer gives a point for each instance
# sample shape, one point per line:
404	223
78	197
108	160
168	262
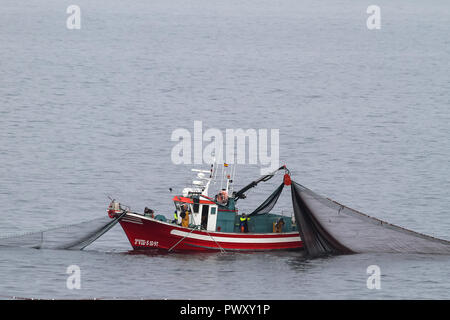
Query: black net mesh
74	237
326	226
269	203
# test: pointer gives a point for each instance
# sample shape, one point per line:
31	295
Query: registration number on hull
145	243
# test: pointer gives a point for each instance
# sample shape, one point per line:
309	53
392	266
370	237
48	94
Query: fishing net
269	203
74	236
328	227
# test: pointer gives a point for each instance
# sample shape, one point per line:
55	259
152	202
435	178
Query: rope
222	250
182	239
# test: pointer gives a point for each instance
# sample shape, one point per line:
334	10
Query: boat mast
229	177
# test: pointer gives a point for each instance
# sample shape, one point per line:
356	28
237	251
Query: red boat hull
148	233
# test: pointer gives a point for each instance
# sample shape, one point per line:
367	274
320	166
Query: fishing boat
212	223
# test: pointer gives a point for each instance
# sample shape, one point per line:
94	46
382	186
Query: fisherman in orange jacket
243	223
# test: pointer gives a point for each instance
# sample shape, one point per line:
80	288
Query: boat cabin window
196	205
177	207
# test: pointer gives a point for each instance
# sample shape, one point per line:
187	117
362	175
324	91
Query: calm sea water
363	118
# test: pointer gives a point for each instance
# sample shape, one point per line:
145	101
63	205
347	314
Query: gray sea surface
363	117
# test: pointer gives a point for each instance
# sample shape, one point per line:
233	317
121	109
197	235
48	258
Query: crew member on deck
149	212
279	226
175	217
244	223
184	216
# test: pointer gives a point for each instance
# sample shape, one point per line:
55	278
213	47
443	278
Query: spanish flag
225	164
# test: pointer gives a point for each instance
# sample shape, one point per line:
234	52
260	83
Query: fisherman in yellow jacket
185	216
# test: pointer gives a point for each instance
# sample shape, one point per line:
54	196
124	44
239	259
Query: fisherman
243	223
279	225
184	216
175	217
149	212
